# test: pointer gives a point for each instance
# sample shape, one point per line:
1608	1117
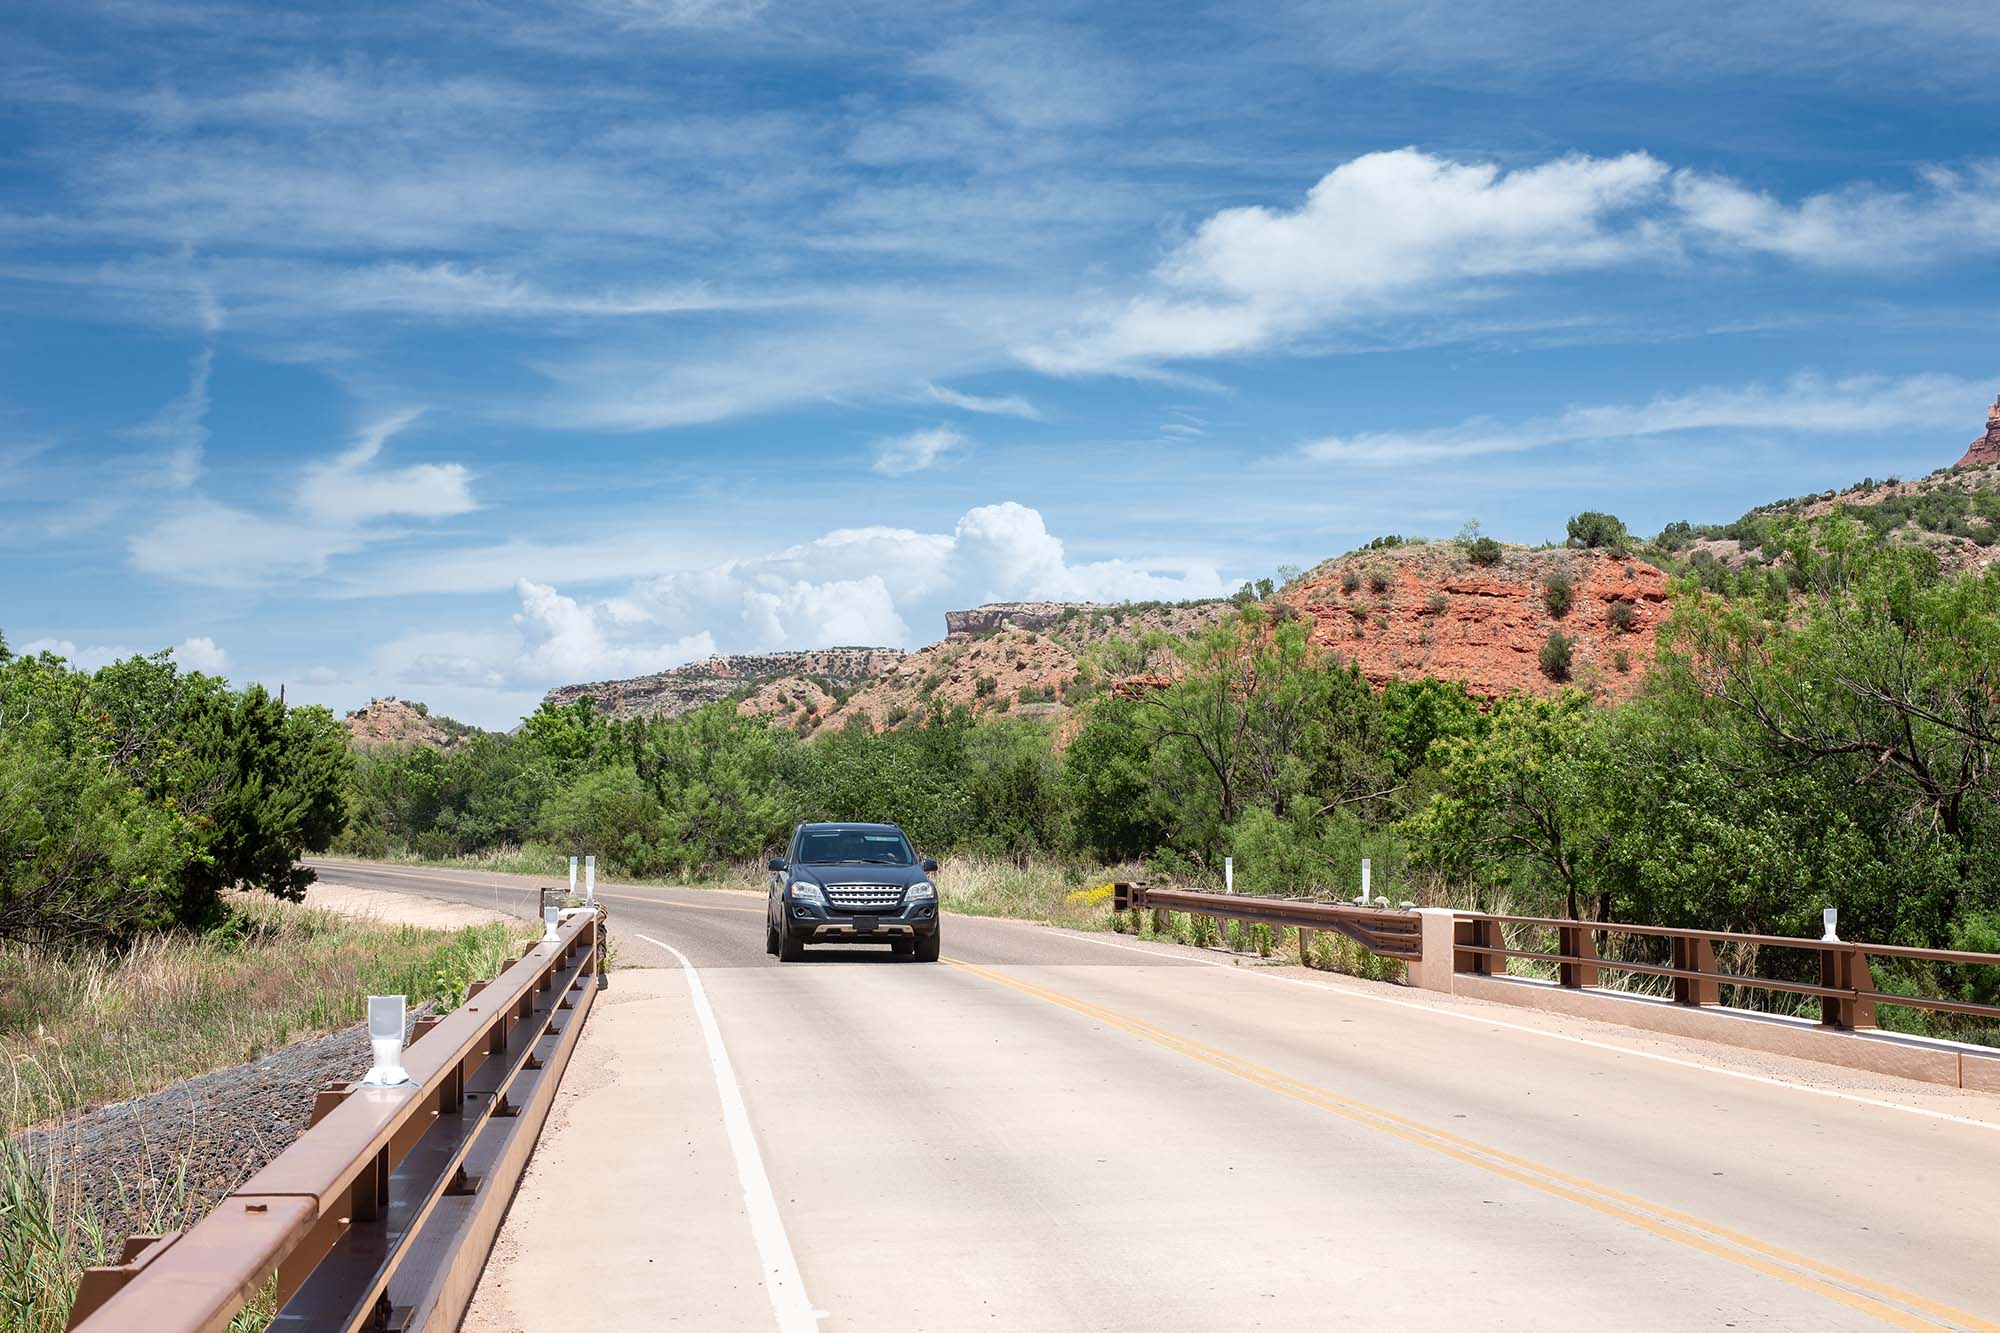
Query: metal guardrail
381	1215
1846	989
1391	934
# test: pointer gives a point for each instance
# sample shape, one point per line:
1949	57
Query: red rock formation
1986	449
1437	614
395	722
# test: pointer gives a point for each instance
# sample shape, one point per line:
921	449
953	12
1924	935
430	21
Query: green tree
1593	530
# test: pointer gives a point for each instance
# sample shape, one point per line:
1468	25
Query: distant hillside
398	722
1397	609
685	688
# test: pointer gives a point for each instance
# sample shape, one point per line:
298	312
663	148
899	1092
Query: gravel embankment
126	1163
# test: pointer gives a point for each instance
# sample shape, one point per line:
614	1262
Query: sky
457	349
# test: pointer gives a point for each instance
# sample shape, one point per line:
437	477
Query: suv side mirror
776	863
929	867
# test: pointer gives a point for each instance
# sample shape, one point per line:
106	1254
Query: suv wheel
927	946
791	949
770	939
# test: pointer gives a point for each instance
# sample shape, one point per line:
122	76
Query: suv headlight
805	891
923	891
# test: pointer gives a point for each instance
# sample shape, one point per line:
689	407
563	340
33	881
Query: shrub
897	714
1378	579
1483	551
1350	581
985	685
1436	602
1558	595
1622	614
1592	530
1621	660
1556	655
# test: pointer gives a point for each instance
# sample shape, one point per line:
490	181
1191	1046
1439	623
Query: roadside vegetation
109	1024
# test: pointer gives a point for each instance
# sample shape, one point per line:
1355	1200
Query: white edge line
782	1282
1483	1021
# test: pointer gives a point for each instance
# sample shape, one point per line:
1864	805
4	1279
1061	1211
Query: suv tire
927	946
770	939
791	949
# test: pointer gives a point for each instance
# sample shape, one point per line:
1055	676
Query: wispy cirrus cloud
1804	403
918	451
1007	405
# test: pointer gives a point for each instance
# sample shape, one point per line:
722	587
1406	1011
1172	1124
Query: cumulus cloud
917	451
202	654
197	653
1394	232
873	587
1805	402
1373	231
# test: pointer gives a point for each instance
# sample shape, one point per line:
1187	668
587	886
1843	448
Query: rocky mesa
686	688
1985	451
389	721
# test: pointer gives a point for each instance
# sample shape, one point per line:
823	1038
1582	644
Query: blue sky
456	350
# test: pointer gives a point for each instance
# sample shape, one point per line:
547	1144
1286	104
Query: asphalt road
1057	1132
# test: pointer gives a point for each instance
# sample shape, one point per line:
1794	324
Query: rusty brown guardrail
381	1215
1846	989
1391	934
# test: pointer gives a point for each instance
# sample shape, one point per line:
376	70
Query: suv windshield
853	846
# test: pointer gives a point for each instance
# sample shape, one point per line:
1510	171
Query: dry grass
88	1027
48	1237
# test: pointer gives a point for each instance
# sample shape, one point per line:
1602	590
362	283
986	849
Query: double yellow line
1892	1305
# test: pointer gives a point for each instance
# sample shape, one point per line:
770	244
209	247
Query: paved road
1054	1132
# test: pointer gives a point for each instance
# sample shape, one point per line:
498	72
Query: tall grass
85	1027
49	1234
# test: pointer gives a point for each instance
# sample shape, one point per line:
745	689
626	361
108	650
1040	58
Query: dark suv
854	883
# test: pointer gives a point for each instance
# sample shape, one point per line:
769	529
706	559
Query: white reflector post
589	879
385	1041
1830	918
1364	880
550	915
1229	874
572	877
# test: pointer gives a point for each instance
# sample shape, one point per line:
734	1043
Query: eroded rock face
1986	449
392	721
996	616
1437	614
686	688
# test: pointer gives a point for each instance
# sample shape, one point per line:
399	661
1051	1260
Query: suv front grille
864	897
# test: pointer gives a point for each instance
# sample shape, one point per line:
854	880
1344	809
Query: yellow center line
1667	1223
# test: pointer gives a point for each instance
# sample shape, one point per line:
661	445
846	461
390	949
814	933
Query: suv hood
901	876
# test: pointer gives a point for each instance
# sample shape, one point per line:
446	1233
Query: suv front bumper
821	923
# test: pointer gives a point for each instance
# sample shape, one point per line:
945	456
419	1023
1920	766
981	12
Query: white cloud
564	641
198	653
334	508
1858	404
180	428
1375	231
1011	405
851	587
201	653
1862	226
917	451
347	490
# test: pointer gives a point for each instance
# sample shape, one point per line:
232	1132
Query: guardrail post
1846	969
1695	955
1305	947
1579	966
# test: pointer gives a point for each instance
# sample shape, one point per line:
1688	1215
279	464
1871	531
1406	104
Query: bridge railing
1846	988
1392	934
380	1215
